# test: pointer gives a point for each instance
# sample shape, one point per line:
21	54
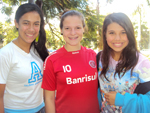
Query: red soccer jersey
74	76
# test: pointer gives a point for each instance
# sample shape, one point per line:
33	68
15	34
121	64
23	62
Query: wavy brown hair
129	56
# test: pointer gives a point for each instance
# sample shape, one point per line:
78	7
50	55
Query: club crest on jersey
92	64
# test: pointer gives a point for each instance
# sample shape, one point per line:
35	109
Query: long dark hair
40	45
129	56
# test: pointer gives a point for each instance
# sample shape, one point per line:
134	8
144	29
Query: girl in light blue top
124	73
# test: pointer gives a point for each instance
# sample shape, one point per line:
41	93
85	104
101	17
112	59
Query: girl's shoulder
143	61
88	50
143	68
56	54
7	49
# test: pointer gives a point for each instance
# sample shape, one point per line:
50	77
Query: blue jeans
41	110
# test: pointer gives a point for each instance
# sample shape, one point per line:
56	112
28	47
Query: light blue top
125	100
33	110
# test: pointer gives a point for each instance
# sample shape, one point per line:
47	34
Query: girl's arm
2	88
49	97
130	103
133	103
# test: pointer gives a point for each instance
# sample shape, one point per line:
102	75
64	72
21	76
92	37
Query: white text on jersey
81	79
67	68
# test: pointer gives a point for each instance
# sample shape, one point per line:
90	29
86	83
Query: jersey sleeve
4	69
49	79
139	101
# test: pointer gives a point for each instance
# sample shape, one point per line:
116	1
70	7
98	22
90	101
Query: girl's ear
16	24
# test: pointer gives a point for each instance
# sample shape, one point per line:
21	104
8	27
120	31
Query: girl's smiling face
72	31
28	27
116	37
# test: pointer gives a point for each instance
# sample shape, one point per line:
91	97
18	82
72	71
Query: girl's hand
110	97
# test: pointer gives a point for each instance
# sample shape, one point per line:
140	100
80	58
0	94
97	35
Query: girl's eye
67	28
111	33
78	27
123	32
37	24
26	23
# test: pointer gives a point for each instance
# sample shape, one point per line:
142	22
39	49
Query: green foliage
9	32
53	41
145	37
53	8
14	2
148	2
1	32
7	10
135	28
145	33
93	35
109	1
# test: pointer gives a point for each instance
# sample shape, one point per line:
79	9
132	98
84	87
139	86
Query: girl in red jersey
71	71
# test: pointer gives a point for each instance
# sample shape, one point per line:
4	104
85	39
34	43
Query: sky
125	6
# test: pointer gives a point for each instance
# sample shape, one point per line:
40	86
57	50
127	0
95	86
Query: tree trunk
39	3
31	1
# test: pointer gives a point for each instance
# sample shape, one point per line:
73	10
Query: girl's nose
73	31
117	37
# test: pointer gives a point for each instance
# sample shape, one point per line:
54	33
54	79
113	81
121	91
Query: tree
145	37
31	1
7	32
144	43
1	32
99	26
148	2
142	31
